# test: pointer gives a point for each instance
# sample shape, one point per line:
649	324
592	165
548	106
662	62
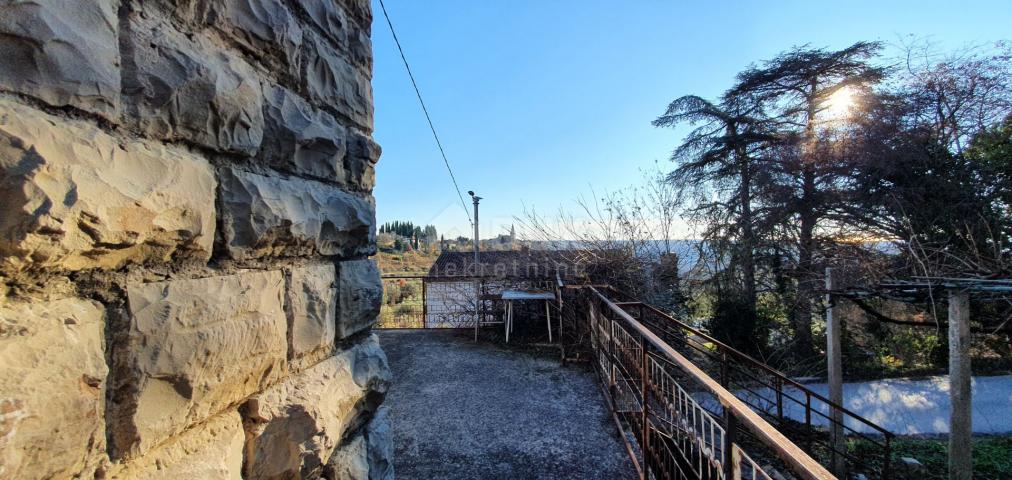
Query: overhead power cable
426	111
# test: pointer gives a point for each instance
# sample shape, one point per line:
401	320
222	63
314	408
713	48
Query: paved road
462	410
909	407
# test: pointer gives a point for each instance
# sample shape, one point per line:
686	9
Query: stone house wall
185	220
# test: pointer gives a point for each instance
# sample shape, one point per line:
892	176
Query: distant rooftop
532	264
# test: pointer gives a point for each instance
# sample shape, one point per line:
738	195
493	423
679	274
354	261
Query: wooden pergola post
834	359
960	416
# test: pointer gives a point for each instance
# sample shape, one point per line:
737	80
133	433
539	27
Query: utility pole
477	266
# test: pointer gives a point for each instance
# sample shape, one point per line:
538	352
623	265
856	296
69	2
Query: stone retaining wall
185	223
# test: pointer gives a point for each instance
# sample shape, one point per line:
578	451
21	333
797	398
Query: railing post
725	380
611	359
735	464
779	384
808	419
730	434
886	462
644	379
729	421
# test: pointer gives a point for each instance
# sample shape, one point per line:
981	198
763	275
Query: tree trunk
802	318
802	314
747	234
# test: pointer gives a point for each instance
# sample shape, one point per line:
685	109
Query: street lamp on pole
477	266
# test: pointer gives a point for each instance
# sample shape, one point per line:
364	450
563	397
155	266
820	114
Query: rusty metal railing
693	405
802	414
657	397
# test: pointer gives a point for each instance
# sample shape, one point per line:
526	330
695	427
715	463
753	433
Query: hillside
405	263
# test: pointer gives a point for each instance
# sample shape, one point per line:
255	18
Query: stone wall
185	223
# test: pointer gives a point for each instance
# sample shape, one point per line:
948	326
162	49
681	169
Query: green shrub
992	456
392	292
735	323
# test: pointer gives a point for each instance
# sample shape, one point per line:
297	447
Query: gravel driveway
462	410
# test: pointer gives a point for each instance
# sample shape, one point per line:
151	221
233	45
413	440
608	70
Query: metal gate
447	301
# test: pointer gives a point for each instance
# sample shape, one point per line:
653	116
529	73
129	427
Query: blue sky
537	102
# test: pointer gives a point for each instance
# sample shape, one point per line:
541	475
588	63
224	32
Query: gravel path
462	410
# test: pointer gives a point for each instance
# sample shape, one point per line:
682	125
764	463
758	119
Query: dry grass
406	263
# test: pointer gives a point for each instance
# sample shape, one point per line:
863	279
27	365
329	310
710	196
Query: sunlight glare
840	103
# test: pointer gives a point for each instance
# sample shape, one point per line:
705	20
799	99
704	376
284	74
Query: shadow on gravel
462	410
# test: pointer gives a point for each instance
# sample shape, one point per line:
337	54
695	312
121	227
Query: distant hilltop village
403	236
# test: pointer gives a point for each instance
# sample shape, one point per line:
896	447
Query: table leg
548	317
509	320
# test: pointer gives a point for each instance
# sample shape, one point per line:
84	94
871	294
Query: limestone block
360	163
332	81
300	139
196	347
52	389
360	295
367	455
334	22
350	461
275	216
63	52
188	89
265	29
213	450
380	439
76	198
361	10
294	427
312	306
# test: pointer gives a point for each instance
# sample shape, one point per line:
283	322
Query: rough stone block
330	80
362	11
360	295
350	461
380	441
294	427
212	450
368	455
334	22
196	347
360	163
76	198
53	376
312	306
188	89
273	216
302	140
265	29
63	52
